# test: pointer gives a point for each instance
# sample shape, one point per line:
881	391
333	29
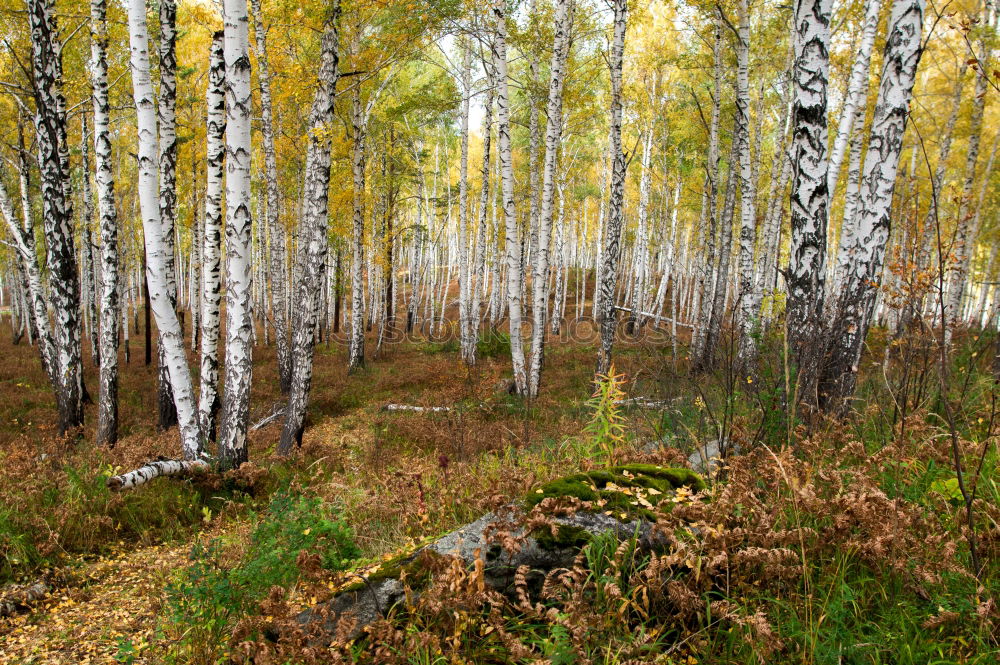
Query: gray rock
707	459
372	599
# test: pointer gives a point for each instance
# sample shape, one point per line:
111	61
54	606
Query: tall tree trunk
166	108
809	195
553	135
239	226
314	223
467	332
746	291
479	277
356	352
515	267
278	254
107	412
215	158
709	205
170	336
57	211
608	319
88	269
637	303
872	219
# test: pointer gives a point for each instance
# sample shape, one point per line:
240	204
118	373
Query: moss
414	561
632	489
566	536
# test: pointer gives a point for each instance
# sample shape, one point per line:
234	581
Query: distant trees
387	193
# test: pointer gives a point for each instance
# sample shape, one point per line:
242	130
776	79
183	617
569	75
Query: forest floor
851	550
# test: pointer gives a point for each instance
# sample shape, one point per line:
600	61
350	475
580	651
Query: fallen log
20	598
618	501
646	403
154	469
658	319
416	409
267	420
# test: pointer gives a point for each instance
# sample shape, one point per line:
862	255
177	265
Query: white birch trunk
809	195
239	276
107	414
215	157
278	252
515	267
171	339
57	212
873	217
608	316
553	135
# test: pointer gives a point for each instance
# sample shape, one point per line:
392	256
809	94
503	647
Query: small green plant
607	424
127	651
493	344
207	597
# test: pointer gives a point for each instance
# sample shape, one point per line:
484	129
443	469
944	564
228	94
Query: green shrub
493	344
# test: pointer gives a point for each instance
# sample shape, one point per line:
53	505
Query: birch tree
515	266
215	158
167	324
553	134
746	292
467	332
872	219
107	413
809	195
313	234
607	318
57	213
239	275
276	232
166	108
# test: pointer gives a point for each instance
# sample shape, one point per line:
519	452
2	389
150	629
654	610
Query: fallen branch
150	470
267	420
658	319
417	409
646	403
20	598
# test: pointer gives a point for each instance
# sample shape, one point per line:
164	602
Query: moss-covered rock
623	502
626	492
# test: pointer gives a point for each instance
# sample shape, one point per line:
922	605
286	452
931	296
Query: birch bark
169	327
515	267
215	158
809	195
107	413
867	253
239	225
57	212
276	232
553	135
607	319
314	222
166	109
